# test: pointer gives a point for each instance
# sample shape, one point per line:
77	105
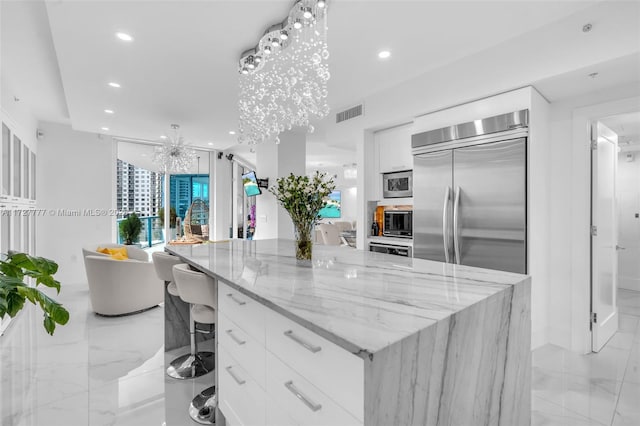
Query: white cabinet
394	149
242	400
274	371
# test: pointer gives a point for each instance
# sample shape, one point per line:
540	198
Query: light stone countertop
360	300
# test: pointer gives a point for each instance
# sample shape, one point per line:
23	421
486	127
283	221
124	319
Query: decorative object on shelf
130	229
174	156
14	292
303	197
283	80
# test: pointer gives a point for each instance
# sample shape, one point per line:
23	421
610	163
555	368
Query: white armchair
120	287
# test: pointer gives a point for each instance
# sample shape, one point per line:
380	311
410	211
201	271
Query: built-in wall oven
404	251
398	223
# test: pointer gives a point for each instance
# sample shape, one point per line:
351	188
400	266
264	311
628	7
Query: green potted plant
14	267
172	222
130	229
172	216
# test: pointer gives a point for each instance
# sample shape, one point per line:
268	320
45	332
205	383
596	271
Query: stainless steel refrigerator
470	199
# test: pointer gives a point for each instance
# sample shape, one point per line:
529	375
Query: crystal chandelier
174	156
283	80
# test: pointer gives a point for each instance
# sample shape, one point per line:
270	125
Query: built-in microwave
398	223
397	184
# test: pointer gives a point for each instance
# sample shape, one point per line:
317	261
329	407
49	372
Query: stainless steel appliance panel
398	223
397	250
489	205
431	205
397	184
485	126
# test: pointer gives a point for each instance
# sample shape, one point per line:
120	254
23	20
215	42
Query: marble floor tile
593	398
545	413
628	323
628	409
629	302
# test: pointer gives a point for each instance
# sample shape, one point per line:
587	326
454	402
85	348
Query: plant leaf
15	302
49	324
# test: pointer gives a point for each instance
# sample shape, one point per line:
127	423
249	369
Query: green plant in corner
130	229
172	217
14	267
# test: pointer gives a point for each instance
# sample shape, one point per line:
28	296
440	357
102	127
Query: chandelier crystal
283	80
173	156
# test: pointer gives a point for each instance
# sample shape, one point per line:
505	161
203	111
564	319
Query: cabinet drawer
305	403
243	310
241	400
332	369
242	347
276	415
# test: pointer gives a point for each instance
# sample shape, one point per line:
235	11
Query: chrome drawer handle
302	397
298	340
239	302
233	375
235	338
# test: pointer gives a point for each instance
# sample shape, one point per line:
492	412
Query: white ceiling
181	68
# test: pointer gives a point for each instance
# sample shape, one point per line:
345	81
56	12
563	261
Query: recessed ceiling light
384	54
231	132
114	84
587	27
163	137
210	143
108	111
106	129
124	36
320	3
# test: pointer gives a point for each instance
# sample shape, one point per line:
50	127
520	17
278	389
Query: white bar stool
193	364
199	290
179	368
163	263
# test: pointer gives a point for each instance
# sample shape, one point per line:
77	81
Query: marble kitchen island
365	338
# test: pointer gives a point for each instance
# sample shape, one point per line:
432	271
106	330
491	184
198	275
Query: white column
167	207
274	161
220	197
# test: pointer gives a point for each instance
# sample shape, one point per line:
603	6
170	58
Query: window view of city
141	191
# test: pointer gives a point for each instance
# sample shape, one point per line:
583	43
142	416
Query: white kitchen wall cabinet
394	148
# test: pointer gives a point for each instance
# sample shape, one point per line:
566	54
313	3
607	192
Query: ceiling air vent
350	113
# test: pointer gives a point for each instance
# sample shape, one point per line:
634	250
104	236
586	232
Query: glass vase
304	243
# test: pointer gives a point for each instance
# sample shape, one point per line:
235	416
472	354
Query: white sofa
120	287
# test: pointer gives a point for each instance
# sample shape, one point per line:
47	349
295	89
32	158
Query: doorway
615	220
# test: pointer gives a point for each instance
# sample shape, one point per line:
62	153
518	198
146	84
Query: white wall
274	161
348	192
75	171
220	195
628	194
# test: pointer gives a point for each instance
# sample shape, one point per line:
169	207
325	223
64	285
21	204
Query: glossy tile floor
110	371
93	371
596	389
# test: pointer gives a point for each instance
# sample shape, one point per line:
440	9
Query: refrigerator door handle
456	237
445	224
